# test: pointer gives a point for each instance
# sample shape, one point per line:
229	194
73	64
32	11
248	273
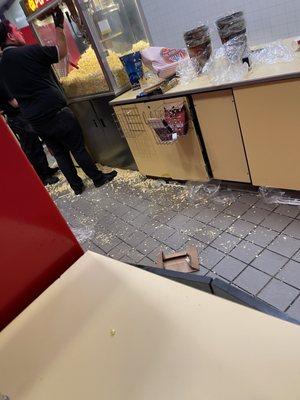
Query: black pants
31	145
63	134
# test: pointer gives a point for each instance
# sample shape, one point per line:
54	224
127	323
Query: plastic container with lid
198	43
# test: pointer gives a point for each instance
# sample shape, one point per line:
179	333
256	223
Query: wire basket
131	121
169	123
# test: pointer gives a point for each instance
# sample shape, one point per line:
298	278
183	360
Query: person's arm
58	18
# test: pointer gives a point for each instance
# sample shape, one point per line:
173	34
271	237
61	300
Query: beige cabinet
270	124
220	129
181	159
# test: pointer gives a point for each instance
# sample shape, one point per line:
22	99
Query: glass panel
119	29
80	72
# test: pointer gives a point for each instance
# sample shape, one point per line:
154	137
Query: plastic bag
277	196
201	190
186	71
83	233
223	69
272	53
163	61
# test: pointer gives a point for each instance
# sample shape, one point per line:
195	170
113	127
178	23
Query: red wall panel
36	244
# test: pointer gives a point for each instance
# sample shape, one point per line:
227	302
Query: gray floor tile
192	210
140	220
126	231
127	260
225	242
276	222
151	226
249	198
262	236
222	221
206	215
130	215
135	238
252	280
156	252
241	228
214	275
269	262
176	241
202	271
143	206
294	310
296	257
119	209
229	268
146	262
106	241
289	211
194	242
147	245
246	251
210	257
290	274
165	216
162	232
89	245
285	245
192	227
255	215
120	251
278	294
237	209
135	256
178	221
293	229
207	235
266	206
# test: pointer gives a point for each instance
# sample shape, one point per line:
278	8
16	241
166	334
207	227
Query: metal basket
166	130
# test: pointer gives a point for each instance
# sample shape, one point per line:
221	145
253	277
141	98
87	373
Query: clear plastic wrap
210	192
83	233
277	196
186	71
272	53
225	65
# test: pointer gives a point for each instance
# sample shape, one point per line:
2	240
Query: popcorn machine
98	32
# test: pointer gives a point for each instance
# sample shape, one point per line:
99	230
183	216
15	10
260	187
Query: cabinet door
181	159
141	143
101	135
222	137
270	124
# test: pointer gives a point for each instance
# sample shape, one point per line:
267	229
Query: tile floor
241	239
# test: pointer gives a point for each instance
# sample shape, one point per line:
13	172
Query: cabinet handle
95	123
103	123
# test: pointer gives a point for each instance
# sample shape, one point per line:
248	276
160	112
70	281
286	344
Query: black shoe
79	190
105	178
51	180
53	171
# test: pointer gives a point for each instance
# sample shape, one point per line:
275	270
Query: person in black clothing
25	134
28	75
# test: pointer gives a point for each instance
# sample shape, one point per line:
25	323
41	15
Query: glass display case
98	32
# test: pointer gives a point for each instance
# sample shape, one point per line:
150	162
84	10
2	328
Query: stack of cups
199	47
232	31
